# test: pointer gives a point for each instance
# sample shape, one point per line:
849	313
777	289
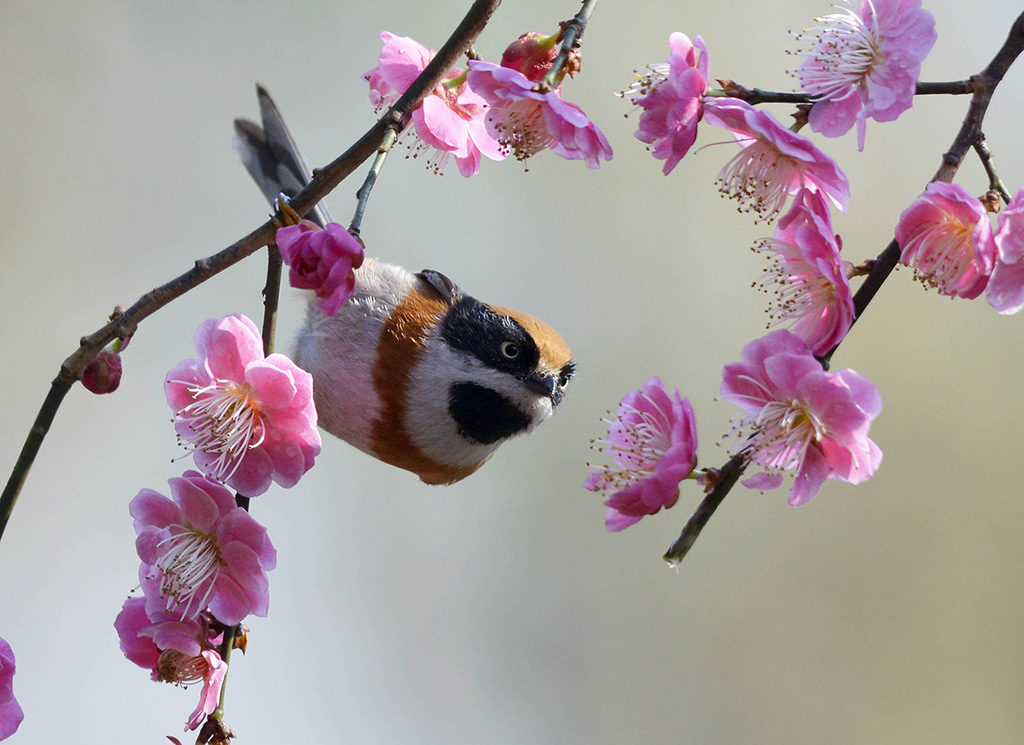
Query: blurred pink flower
202	550
174	651
808	280
11	714
653	443
250	419
1006	287
946	236
103	373
798	417
671	94
450	119
322	260
525	121
773	163
865	64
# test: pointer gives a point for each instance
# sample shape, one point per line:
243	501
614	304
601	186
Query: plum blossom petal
238	435
653	443
525	121
322	260
946	237
211	554
449	120
865	64
774	163
798	417
1005	290
11	715
808	279
671	94
174	651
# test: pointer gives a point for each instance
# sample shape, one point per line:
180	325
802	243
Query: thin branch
363	195
323	182
988	163
982	86
572	33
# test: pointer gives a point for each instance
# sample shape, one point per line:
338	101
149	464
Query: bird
412	370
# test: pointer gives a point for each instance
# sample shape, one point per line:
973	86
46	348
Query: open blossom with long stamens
671	94
201	550
865	64
526	119
798	417
774	163
808	280
449	120
946	237
174	651
1005	290
249	419
653	443
11	715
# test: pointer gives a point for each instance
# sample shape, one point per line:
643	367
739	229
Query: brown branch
982	87
323	182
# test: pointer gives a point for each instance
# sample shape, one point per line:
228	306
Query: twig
982	86
363	195
323	182
988	162
572	33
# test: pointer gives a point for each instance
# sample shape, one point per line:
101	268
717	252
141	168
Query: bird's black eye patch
483	414
497	341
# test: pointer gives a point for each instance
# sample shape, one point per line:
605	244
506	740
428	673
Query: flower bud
531	54
103	374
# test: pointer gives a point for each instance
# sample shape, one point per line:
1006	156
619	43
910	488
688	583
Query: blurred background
499	610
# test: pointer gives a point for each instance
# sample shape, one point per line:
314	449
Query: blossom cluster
204	569
491	110
249	420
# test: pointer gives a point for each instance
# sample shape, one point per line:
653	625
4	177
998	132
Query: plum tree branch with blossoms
123	324
981	86
246	414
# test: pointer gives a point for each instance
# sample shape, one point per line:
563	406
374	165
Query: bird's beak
544	385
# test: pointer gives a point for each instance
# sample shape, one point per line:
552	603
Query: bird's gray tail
272	158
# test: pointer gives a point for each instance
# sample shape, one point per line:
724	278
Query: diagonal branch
323	182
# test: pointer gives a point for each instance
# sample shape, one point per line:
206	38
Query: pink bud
103	374
531	54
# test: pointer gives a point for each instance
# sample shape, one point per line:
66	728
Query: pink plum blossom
174	651
202	550
1006	287
808	279
946	236
865	64
11	714
773	163
653	443
322	260
671	94
249	419
450	119
798	417
526	118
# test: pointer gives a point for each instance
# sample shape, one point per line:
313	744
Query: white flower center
520	128
177	667
641	444
189	560
846	52
783	432
647	79
945	253
795	288
225	420
758	177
